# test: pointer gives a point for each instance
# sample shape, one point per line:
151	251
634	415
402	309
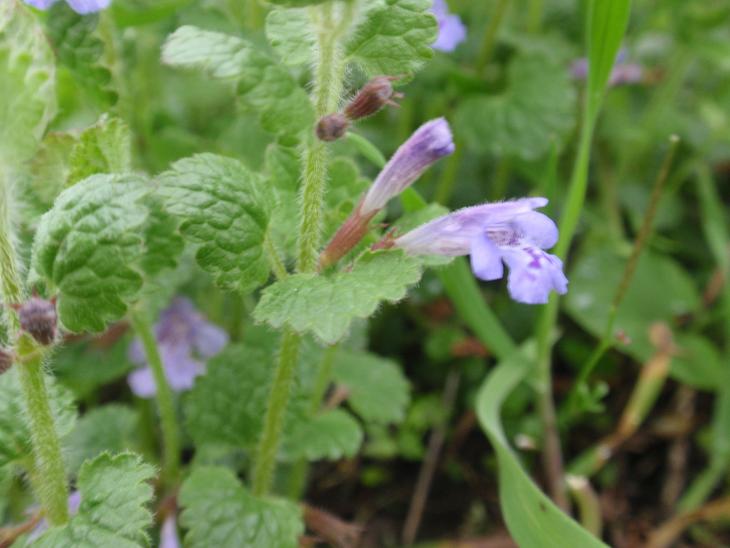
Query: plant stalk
265	463
48	467
165	400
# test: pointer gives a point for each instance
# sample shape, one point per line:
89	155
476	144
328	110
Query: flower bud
332	127
373	96
431	141
6	360
38	318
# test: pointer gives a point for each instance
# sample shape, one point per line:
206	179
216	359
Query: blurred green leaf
536	108
115	492
81	51
27	92
263	85
532	518
393	37
332	435
289	33
104	147
377	389
325	305
660	290
228	404
110	428
223	208
698	363
219	511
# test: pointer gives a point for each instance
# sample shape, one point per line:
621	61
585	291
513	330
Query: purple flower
182	335
493	234
74	501
621	73
79	6
168	533
431	141
452	31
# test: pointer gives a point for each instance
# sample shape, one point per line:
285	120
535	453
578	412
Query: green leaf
219	511
289	33
86	246
393	37
227	405
697	363
532	518
325	305
115	492
378	391
27	92
329	435
81	51
223	208
607	22
49	168
263	85
111	428
14	429
536	108
282	169
105	147
659	291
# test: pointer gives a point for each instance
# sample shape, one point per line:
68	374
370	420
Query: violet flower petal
533	274
180	369
451	29
88	6
209	339
430	142
142	383
40	4
168	533
486	260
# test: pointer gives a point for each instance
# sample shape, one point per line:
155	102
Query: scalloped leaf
115	493
219	511
223	208
86	247
393	37
263	85
326	305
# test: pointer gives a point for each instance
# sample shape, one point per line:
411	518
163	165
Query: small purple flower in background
168	533
452	31
621	73
79	6
430	142
74	501
493	234
181	333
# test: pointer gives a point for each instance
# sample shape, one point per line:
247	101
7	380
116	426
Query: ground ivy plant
300	237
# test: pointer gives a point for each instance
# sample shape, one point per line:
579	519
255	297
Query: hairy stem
265	463
48	467
52	489
327	88
330	24
165	401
